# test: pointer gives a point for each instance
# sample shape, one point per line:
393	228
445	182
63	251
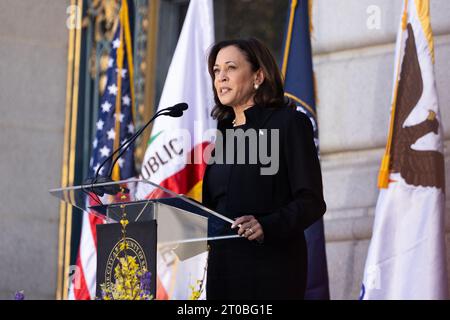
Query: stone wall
33	63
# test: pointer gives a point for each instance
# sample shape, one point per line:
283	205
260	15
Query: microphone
177	110
173	111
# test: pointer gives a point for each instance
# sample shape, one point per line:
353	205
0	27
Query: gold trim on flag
303	103
196	191
287	47
127	33
383	175
423	12
119	57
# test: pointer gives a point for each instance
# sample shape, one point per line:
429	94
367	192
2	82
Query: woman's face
233	78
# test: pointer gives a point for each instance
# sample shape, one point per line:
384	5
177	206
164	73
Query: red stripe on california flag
185	179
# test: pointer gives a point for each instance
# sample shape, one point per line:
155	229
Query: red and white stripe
83	285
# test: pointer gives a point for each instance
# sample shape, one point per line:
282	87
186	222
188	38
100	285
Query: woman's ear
259	77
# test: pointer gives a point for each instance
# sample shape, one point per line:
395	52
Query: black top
284	203
217	182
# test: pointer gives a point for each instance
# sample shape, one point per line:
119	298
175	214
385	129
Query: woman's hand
249	227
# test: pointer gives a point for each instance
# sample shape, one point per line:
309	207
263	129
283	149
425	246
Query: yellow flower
123	245
127	274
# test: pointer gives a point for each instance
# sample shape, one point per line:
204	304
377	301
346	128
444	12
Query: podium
165	232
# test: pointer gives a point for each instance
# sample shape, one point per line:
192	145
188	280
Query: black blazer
284	204
289	201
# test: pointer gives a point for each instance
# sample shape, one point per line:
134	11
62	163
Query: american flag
114	125
110	115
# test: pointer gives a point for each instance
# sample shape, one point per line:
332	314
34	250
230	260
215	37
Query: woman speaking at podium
270	209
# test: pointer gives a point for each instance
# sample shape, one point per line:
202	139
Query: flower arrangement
197	292
131	281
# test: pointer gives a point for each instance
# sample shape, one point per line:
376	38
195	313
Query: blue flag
297	70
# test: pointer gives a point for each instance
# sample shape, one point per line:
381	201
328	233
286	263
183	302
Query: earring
256	86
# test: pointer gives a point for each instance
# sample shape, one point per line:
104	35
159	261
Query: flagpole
127	33
383	176
288	38
119	57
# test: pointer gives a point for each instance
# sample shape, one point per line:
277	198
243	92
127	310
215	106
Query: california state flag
174	156
407	255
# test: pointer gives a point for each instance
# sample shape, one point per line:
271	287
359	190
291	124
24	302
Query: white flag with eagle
407	255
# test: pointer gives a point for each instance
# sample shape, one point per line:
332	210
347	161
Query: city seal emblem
131	254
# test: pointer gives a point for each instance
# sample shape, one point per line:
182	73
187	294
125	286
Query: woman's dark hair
270	92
